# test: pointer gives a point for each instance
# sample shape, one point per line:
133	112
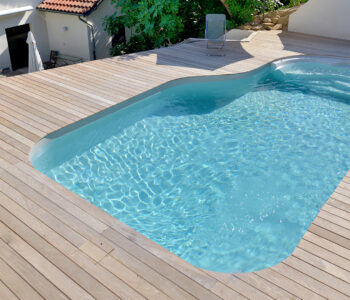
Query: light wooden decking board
75	250
28	113
34	195
54	101
76	102
21	98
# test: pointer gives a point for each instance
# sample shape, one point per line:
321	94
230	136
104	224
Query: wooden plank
346	179
342	191
5	155
11	103
55	222
80	87
330	235
14	142
319	275
18	136
53	102
289	285
236	284
74	89
24	133
108	80
343	184
327	267
31	189
152	276
93	251
16	284
226	293
86	84
325	255
143	71
67	248
341	216
327	245
69	243
58	100
5	292
293	270
340	197
340	230
265	286
338	204
159	252
39	282
34	203
22	122
27	206
163	268
48	260
61	92
36	102
27	118
132	278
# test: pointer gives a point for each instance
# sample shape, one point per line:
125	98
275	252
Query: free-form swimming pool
226	172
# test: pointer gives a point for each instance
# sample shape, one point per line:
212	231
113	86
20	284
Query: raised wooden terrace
55	245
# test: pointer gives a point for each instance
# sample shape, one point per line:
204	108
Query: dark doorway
120	37
18	47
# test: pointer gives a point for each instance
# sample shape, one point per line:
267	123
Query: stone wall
275	20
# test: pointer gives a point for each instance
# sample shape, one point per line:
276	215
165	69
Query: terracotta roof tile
69	6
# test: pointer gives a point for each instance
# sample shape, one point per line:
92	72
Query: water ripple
228	189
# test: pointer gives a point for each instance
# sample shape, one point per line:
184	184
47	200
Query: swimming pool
226	172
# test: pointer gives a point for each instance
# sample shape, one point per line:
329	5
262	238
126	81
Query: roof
79	7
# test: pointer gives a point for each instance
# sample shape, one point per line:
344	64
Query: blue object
226	172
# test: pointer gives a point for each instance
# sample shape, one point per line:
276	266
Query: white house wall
102	40
48	30
37	26
74	41
329	18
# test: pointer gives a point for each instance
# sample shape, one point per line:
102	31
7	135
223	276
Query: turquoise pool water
227	174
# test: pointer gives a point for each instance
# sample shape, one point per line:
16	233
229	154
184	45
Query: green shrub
154	22
291	3
241	11
157	23
193	14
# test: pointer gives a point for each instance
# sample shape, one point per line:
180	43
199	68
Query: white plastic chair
215	32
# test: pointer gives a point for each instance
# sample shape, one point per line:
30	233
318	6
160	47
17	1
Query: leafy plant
292	3
193	14
268	5
241	11
154	22
157	23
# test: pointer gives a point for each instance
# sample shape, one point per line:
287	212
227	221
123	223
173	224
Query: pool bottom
222	185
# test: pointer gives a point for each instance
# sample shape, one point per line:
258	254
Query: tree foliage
242	11
156	23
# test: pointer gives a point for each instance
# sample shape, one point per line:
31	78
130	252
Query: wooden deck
55	245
